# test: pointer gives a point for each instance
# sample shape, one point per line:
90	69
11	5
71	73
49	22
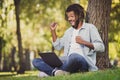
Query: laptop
51	59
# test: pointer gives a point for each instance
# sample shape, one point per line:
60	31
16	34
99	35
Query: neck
80	25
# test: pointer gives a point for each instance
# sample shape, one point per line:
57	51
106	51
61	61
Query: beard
76	24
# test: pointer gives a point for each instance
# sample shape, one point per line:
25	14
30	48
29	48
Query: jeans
74	63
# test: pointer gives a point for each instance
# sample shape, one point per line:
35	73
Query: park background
24	31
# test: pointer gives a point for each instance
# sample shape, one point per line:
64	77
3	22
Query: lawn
111	74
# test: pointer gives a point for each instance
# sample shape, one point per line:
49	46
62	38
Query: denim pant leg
75	63
42	66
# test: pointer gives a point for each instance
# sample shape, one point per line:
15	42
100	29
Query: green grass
113	74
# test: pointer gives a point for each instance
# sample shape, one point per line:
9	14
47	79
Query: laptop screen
51	59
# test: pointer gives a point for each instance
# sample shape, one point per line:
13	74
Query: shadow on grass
14	74
4	74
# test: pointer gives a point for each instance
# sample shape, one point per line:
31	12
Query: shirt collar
83	26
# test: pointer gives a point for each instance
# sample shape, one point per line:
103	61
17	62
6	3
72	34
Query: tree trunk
27	59
98	13
13	65
20	49
1	46
6	63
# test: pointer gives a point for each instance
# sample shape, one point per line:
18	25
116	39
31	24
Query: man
80	42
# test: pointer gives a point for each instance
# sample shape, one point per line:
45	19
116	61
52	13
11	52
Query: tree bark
27	59
98	13
1	47
12	56
20	49
5	62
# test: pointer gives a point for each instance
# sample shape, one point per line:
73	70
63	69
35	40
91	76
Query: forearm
79	40
88	44
54	36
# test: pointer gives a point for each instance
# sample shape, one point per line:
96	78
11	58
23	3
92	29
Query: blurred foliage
114	30
35	18
5	30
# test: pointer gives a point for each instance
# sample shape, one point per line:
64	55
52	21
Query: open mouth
72	22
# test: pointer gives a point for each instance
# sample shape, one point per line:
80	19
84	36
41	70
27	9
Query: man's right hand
53	26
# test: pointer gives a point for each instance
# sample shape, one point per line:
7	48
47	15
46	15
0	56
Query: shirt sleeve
59	43
96	40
